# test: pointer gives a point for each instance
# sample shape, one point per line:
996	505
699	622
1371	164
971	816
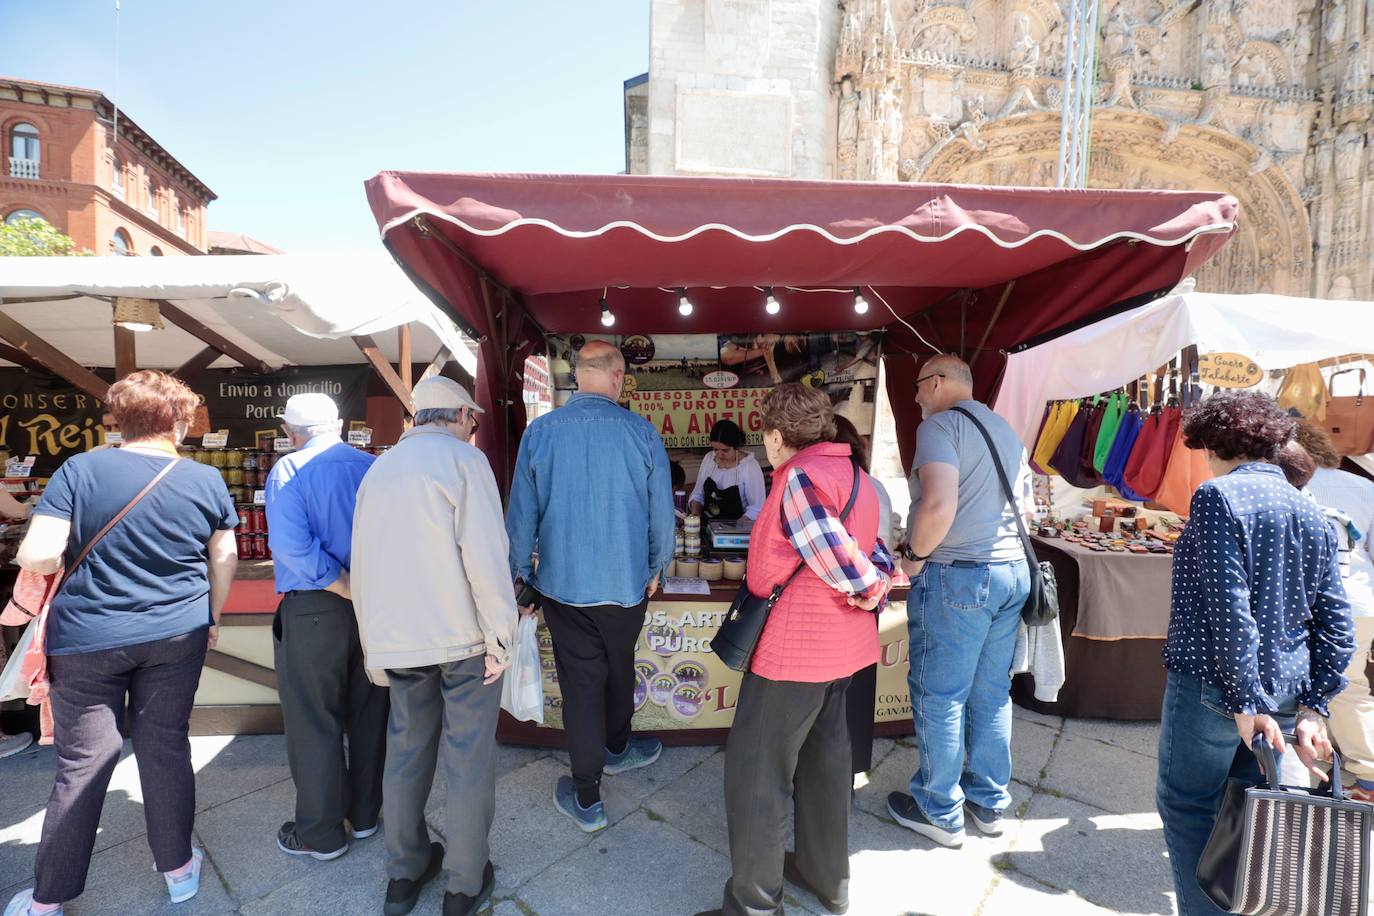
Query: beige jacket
430	577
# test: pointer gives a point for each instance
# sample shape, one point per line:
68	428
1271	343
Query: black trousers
860	700
159	679
325	695
594	654
788	746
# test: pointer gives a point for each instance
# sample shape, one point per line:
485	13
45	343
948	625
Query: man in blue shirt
324	689
593	495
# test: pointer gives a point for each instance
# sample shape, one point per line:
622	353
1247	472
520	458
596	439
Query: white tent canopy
1277	332
283	309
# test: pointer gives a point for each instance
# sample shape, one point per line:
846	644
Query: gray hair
437	415
951	367
310	432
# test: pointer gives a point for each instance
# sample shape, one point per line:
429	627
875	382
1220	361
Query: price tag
281	444
115	439
215	440
259	497
19	467
361	438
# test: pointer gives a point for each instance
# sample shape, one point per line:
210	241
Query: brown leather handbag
1349	420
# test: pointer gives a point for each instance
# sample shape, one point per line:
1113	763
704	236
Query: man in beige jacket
437	620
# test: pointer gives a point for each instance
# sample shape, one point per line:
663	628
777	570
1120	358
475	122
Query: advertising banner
681	684
46	418
247	405
684	418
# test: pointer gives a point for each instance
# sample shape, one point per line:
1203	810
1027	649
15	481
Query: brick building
112	195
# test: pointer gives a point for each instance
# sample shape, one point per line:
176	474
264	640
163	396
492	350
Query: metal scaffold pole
1080	82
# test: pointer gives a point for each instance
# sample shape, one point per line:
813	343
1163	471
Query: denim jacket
593	494
1259	611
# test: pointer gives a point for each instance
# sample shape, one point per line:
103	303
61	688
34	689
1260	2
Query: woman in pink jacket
789	743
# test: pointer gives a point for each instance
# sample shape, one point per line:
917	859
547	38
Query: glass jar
234	458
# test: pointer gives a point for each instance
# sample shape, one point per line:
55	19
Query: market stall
245	333
528	264
1114	566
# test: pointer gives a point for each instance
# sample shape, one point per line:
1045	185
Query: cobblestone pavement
1085	837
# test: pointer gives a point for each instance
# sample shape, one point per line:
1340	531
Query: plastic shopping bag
522	689
13	684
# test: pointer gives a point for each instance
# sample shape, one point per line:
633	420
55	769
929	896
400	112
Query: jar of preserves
245	550
219	458
259	520
250	461
234	474
259	543
245	518
234	457
201	456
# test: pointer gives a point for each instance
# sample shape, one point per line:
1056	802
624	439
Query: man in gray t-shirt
970	580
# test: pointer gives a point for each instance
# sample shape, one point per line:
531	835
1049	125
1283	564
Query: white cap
312	409
441	393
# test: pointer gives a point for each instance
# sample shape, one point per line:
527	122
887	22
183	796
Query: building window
17	215
24	151
181	221
117	182
152	199
120	244
155	251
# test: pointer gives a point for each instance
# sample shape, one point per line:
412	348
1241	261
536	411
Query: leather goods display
1045	420
1126	435
1286	850
1068	457
1304	390
1112	416
1349	420
1150	457
1087	470
1186	470
739	633
1059	422
1042	604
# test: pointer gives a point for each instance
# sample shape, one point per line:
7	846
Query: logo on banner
637	349
1229	370
721	378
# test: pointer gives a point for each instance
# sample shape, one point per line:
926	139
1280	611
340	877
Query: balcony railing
23	168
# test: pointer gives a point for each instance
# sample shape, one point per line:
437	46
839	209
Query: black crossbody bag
1042	604
738	636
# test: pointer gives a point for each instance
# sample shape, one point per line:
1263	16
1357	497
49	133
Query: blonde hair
803	415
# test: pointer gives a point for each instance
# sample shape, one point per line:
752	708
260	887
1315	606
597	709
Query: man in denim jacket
593	496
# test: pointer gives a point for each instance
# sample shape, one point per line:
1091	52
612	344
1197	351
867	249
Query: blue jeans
1198	751
963	621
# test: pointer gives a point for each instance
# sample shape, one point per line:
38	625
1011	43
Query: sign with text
47	418
215	440
684	418
245	405
1229	370
681	684
360	438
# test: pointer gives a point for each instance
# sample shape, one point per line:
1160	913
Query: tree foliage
27	238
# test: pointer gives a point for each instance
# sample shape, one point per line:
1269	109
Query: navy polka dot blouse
1259	610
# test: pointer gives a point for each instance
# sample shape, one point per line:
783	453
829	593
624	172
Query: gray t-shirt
984	529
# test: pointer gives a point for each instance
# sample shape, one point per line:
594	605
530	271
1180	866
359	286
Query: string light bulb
607	318
684	305
860	303
771	305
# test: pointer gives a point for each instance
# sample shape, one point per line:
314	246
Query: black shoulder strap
1006	485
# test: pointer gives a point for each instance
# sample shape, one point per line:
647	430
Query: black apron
723	503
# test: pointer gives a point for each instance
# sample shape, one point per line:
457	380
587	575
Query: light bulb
607	319
860	303
684	306
137	326
771	305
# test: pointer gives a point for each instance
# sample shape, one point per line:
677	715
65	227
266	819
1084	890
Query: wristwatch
909	554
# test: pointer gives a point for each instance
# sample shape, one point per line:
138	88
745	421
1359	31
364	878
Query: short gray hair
310	432
437	415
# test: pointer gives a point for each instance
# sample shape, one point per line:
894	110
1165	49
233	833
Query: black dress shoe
463	905
792	873
402	893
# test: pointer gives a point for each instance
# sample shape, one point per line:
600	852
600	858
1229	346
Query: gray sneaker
590	820
904	810
13	744
987	820
639	752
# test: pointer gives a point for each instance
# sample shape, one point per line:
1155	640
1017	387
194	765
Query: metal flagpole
116	75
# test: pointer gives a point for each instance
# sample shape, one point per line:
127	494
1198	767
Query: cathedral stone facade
1269	100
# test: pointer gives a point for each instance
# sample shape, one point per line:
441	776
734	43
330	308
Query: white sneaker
20	903
13	744
184	888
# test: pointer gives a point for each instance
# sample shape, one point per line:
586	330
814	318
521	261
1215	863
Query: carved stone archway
1271	252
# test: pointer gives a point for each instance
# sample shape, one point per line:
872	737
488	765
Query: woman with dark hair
146	544
1259	633
789	744
730	481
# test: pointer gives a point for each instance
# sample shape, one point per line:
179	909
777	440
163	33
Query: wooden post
51	358
987	332
207	336
197	363
403	351
388	375
126	352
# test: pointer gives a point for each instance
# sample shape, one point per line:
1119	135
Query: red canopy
970	268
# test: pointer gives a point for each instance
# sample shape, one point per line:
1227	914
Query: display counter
1114	616
684	694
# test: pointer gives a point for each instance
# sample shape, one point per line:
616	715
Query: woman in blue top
1260	630
131	623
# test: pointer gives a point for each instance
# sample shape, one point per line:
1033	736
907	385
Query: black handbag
1287	850
739	633
1042	604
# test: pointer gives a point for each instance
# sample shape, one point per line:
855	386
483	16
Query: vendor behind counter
730	482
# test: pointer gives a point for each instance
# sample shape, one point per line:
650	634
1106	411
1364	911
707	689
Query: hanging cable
875	292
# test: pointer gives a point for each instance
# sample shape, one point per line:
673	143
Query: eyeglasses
475	423
916	385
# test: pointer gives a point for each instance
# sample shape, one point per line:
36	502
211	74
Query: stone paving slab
1141	737
1103	775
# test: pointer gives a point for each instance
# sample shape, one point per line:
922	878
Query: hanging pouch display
1111	424
1187	470
1126	435
1150	457
1045	421
1304	390
1060	420
1068	457
1087	471
1349	420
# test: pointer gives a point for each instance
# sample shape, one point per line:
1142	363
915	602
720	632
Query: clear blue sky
284	107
